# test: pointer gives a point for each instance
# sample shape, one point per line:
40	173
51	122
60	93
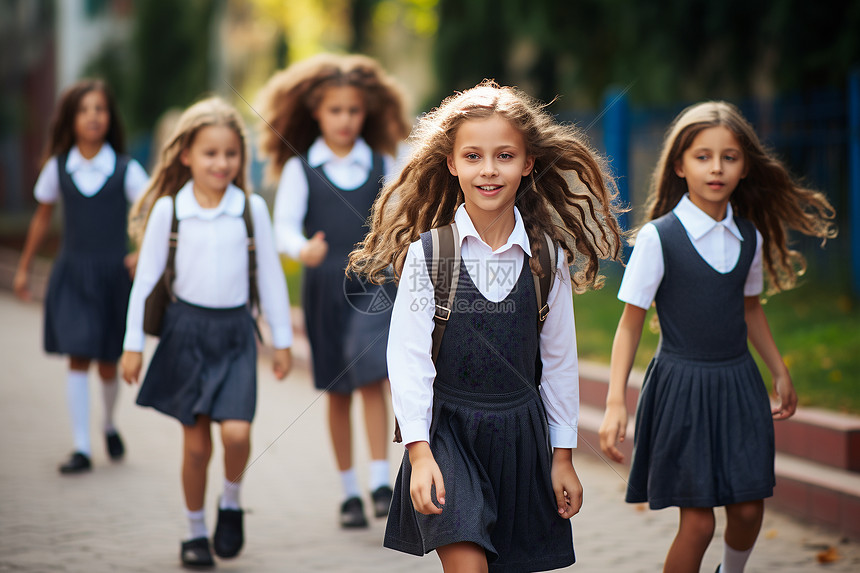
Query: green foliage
669	51
814	326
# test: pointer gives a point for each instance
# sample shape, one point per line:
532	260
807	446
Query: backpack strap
543	284
170	268
444	272
253	292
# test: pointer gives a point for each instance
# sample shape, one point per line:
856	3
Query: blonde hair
170	174
290	97
768	196
569	194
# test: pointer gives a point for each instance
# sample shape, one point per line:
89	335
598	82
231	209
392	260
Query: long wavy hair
768	196
170	174
288	100
569	194
62	129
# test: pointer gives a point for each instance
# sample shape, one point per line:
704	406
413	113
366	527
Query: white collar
698	223
104	161
319	153
232	203
466	228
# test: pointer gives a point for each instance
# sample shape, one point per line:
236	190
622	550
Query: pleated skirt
704	434
347	323
205	364
85	307
494	455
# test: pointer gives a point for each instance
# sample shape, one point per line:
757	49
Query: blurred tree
675	49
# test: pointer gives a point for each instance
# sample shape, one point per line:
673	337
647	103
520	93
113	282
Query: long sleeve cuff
416	431
133	341
563	436
282	336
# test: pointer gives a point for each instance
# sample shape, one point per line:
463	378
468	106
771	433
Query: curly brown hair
569	194
289	98
768	196
170	174
62	129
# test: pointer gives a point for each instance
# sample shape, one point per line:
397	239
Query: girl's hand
130	262
129	364
282	362
784	389
314	251
425	474
613	429
565	483
21	285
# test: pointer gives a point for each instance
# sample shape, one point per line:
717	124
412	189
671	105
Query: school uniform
346	318
88	289
704	431
490	429
206	359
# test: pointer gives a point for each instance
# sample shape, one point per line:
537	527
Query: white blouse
410	366
211	261
717	242
89	175
291	202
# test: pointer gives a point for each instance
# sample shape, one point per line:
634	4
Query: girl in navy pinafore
487	480
704	424
88	290
343	118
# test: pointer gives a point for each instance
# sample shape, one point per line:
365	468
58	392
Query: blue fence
809	131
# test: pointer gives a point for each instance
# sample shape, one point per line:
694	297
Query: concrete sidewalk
128	516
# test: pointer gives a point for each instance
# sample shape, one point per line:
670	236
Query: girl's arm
291	206
274	296
39	225
759	334
614	426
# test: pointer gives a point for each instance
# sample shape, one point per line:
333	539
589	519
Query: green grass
817	331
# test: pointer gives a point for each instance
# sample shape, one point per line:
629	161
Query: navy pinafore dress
489	437
87	295
704	430
346	318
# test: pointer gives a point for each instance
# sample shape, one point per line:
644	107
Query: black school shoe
195	554
381	500
229	533
115	447
77	463
352	514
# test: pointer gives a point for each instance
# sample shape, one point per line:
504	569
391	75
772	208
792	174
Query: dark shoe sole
352	514
77	463
115	447
195	554
381	501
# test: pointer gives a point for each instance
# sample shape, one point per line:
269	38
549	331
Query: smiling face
713	166
340	115
489	159
214	158
92	119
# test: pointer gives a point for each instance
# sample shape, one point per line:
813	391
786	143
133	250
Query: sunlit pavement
128	516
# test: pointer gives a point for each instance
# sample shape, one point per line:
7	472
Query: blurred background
620	69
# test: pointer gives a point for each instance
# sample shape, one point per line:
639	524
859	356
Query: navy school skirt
85	307
205	364
494	454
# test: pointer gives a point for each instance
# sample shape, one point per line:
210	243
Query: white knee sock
378	474
196	524
349	480
734	561
78	398
230	497
110	389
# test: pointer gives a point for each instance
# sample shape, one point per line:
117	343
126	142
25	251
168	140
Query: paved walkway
128	516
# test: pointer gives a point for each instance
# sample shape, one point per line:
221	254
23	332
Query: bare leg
236	436
197	450
376	419
463	557
695	531
340	428
107	371
743	523
79	364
